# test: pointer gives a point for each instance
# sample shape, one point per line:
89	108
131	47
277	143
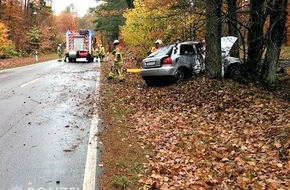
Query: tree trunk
27	6
255	38
233	25
213	38
1	9
278	15
130	3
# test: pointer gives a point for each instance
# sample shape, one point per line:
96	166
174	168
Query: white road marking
63	66
30	82
91	162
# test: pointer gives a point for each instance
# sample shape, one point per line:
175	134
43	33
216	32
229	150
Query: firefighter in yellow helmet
116	68
158	44
102	52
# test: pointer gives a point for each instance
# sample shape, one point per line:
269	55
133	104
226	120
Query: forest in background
262	27
27	26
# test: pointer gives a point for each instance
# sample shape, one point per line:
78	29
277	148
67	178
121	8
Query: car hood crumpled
227	43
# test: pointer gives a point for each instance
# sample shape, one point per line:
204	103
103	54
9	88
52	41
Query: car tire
179	75
90	59
233	71
149	82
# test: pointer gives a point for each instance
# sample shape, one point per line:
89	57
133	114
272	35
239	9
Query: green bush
8	52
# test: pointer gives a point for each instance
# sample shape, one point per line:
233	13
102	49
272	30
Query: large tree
4	41
109	19
213	38
255	38
277	11
233	25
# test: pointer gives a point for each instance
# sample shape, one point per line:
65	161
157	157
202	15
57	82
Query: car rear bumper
162	71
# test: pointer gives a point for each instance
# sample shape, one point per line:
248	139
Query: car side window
186	49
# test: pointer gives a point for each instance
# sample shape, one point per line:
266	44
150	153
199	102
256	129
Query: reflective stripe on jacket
118	56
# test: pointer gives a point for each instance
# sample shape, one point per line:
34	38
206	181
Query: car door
186	55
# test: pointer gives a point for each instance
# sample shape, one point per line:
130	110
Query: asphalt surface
45	119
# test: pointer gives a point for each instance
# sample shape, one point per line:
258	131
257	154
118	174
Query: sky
81	6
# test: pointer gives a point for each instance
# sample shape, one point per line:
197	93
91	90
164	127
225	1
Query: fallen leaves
22	61
209	134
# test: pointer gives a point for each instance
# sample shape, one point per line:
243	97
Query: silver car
230	64
172	63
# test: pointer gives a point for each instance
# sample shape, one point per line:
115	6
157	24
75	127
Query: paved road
45	122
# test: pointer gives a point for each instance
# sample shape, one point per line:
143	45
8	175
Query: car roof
166	49
188	42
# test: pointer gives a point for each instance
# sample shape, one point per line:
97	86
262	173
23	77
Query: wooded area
204	133
261	27
30	25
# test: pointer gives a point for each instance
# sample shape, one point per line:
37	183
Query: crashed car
172	63
230	64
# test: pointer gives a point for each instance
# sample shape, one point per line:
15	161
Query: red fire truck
79	44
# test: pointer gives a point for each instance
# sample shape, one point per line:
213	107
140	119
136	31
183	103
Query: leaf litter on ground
207	134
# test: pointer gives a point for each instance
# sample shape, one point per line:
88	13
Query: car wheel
233	71
179	75
90	60
149	82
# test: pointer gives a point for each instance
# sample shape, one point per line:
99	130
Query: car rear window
163	51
